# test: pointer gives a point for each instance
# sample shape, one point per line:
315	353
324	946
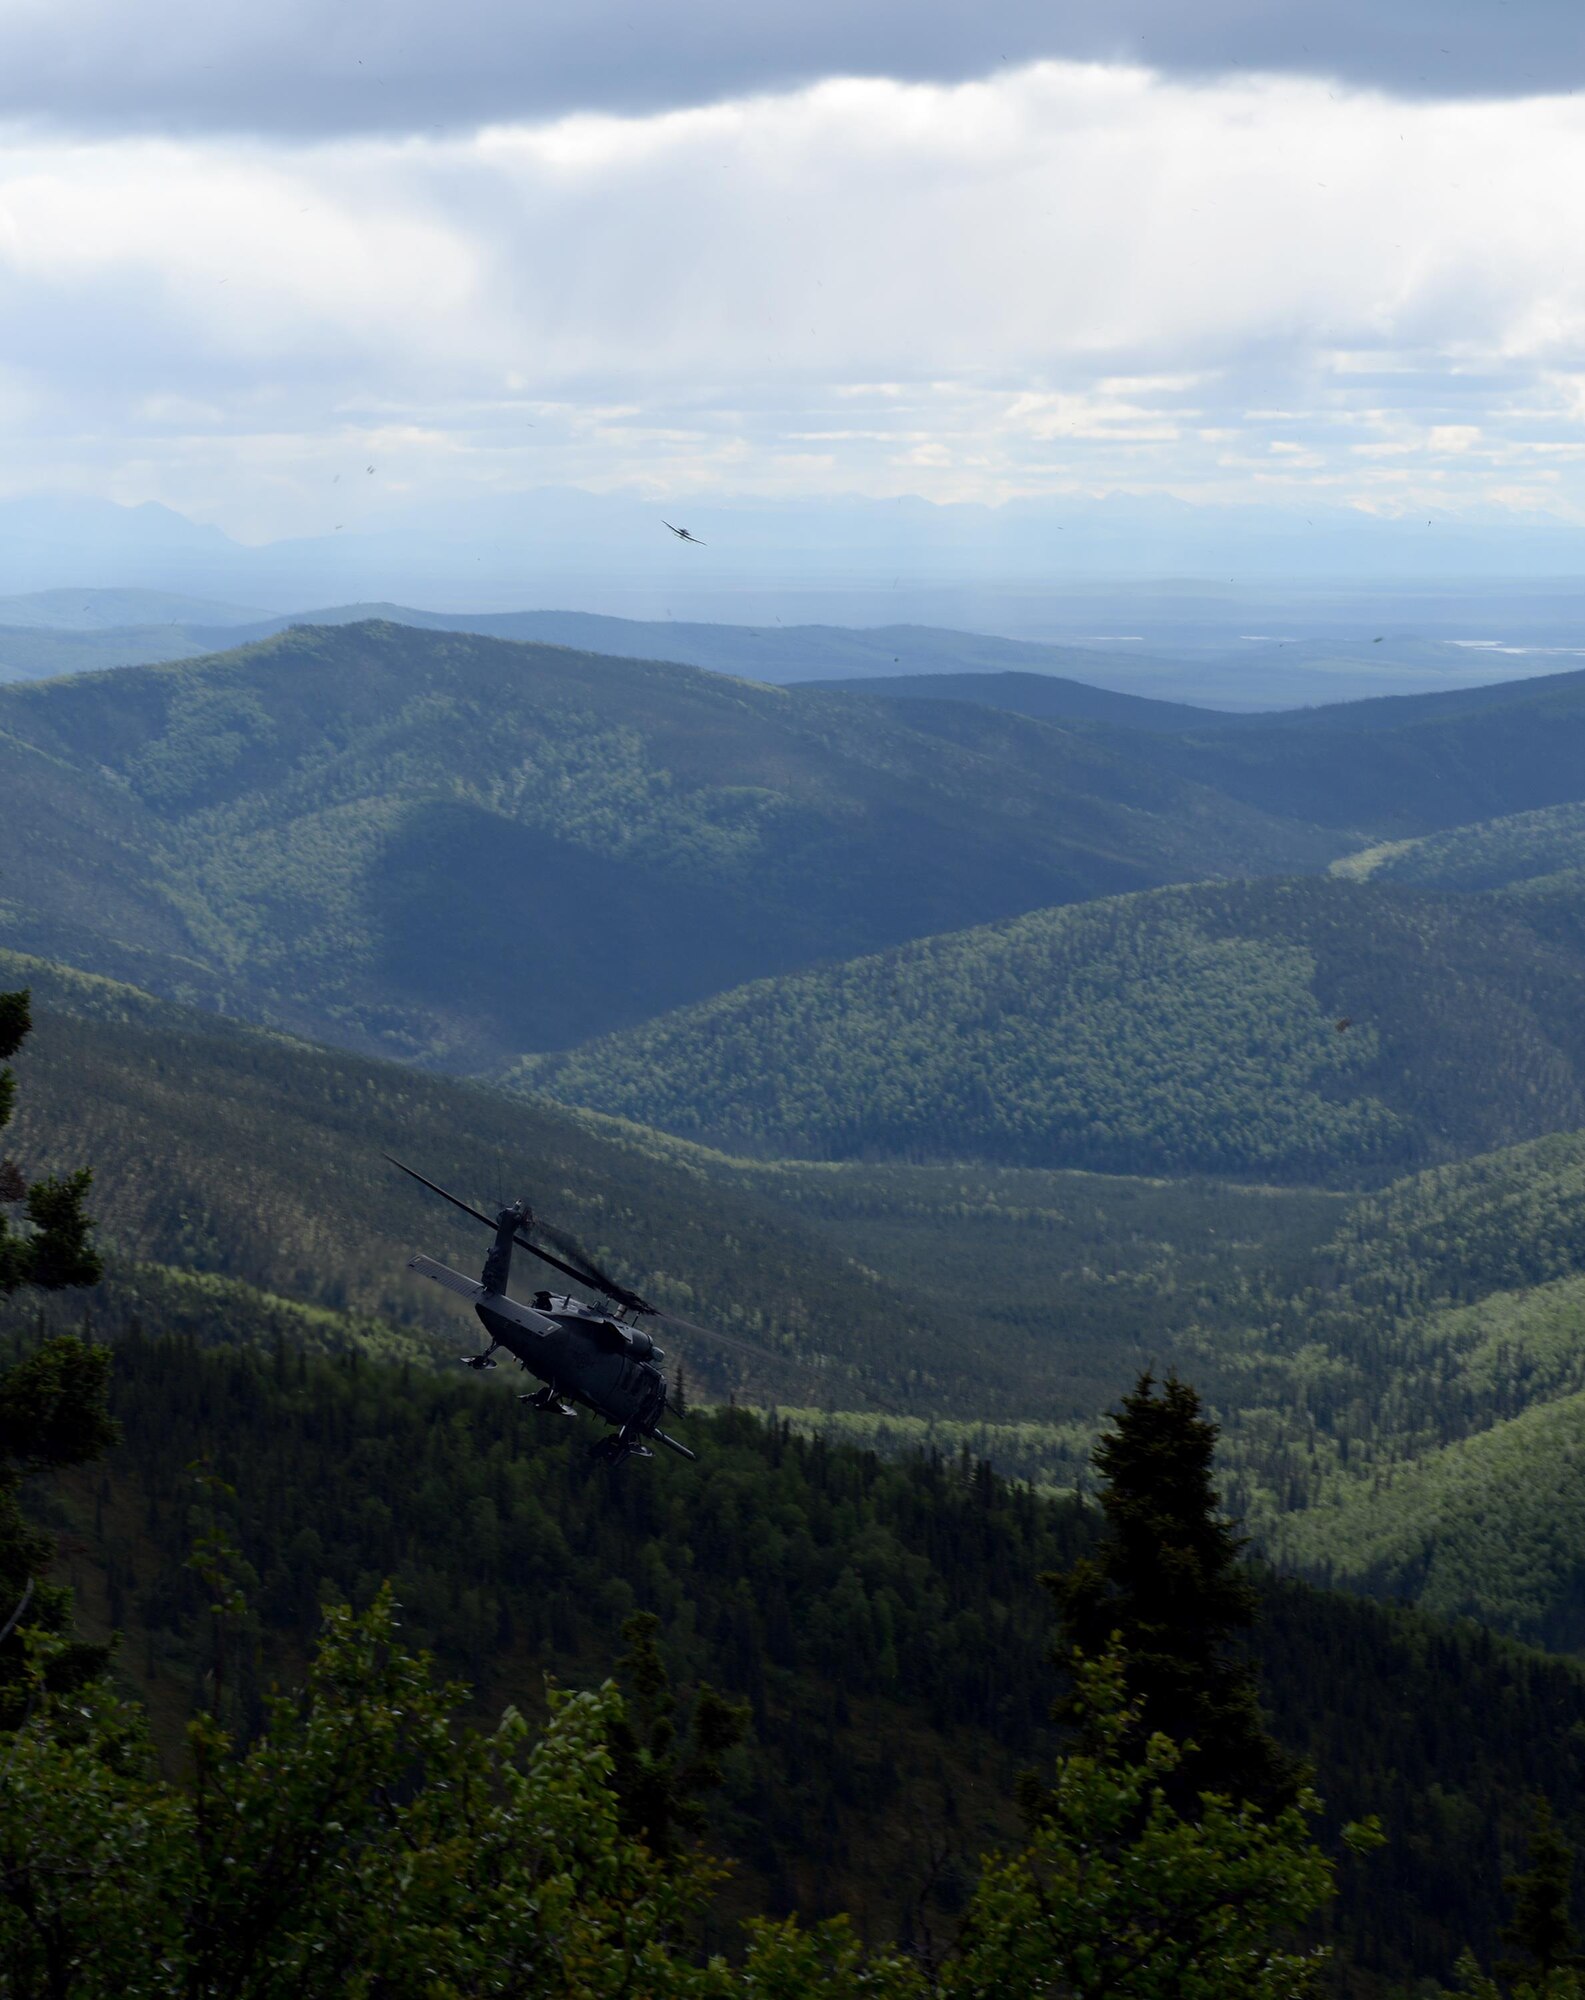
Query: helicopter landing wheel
547	1399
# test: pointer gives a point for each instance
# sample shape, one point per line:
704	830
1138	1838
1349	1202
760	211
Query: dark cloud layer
304	68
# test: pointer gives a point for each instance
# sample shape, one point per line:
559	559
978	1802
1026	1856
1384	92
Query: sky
293	268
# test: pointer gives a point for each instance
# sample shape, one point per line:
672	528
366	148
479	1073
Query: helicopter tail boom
476	1294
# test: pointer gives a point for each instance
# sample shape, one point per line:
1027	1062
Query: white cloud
1067	278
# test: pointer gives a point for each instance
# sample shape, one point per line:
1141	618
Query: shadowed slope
452	848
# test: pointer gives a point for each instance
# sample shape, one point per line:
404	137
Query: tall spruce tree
54	1250
52	1400
1541	1932
1166	1582
659	1773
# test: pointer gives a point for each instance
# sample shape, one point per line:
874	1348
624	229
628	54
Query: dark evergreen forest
883	1620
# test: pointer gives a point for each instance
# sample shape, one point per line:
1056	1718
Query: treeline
851	1602
1181	1031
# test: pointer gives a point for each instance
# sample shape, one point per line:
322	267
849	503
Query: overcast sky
1252	252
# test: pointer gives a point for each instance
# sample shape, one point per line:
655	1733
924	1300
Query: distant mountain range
1210	663
112	610
774	654
361	538
1268	611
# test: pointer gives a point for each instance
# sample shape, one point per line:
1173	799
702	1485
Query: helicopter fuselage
584	1356
593	1355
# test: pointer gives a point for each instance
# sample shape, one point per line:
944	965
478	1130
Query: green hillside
1399	765
1368	1362
1446	704
1491	1528
1431	1447
997	1308
992	1294
1493	854
454	848
251	1157
1049	696
1188	1030
1345	1341
1394	767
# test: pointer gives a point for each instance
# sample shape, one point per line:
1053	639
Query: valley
1361	1350
962	1063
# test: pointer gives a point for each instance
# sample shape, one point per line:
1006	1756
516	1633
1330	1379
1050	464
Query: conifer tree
52	1402
1541	1932
55	1251
657	1771
1167	1584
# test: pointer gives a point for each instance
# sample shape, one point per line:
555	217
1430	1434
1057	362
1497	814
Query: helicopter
599	1356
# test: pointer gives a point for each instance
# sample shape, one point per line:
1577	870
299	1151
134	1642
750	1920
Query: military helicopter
598	1355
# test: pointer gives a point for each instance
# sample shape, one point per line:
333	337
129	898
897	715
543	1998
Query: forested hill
1013	1299
1401	765
1188	1030
255	1159
1051	697
456	849
452	848
1440	1445
1545	847
1398	765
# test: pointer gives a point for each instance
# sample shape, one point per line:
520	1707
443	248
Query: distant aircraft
1345	1024
683	535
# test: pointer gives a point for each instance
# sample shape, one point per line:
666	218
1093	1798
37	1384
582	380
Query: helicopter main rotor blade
592	1274
434	1187
729	1340
590	1278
